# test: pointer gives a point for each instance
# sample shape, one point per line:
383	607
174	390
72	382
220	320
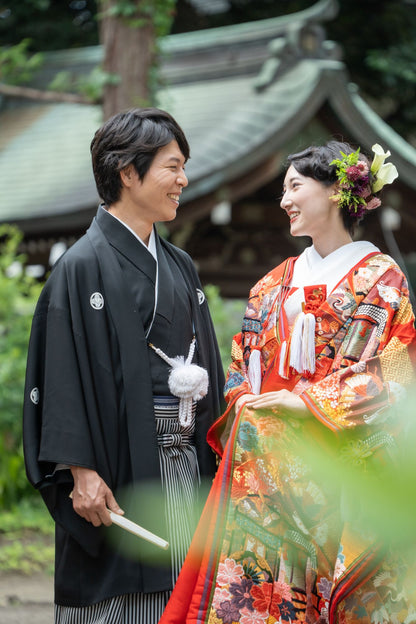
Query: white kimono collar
310	268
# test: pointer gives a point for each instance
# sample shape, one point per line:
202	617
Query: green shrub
27	538
18	296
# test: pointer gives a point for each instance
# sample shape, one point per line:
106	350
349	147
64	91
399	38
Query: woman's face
308	205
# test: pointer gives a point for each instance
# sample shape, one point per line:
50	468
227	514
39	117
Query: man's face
156	196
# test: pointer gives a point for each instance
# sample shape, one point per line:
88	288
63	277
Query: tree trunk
129	54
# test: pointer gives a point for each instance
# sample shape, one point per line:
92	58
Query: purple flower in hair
353	173
373	203
362	190
354	184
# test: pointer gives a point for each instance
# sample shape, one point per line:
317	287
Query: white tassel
295	357
188	382
185	412
282	358
254	371
308	346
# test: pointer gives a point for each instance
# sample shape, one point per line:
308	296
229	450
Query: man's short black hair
131	137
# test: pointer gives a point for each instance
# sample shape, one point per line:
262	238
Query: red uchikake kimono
281	538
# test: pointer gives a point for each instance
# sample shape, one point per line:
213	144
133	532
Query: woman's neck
326	244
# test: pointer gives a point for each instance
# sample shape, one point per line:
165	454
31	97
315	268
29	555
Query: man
103	424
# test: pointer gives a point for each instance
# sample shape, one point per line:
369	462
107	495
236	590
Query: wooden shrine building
247	96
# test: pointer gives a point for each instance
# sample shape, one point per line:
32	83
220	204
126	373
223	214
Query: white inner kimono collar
310	268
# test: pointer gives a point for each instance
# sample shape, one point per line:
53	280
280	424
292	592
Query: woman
105	420
326	347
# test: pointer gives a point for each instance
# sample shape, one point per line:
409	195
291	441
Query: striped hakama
180	481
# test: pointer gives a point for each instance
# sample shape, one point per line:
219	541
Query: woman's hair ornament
359	182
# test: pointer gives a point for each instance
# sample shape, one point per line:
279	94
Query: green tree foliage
377	37
18	294
49	24
139	13
90	85
17	65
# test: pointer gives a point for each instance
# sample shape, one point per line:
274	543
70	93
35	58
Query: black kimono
90	381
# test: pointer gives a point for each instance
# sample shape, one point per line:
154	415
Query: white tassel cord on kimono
188	382
302	345
254	371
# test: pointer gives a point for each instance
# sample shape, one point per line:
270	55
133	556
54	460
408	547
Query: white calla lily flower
384	173
379	157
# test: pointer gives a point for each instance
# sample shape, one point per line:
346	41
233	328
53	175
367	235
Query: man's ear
128	175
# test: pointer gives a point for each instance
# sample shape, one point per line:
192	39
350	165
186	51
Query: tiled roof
45	166
213	91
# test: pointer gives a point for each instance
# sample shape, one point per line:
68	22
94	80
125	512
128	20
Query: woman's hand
285	399
244	399
91	497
